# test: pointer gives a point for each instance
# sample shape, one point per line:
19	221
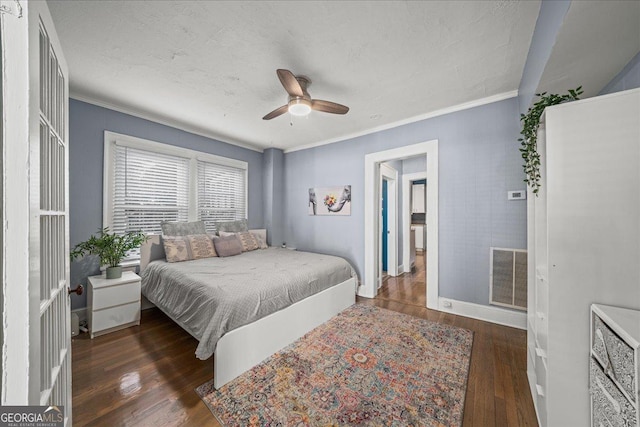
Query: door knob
78	290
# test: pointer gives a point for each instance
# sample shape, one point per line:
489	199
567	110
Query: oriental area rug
367	366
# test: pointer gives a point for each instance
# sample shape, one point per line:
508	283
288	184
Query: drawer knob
78	290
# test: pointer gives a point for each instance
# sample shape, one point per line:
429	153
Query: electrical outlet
447	304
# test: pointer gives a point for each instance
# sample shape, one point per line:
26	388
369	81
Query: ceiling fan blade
328	107
277	112
289	82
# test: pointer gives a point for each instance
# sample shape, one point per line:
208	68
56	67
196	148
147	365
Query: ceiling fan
300	103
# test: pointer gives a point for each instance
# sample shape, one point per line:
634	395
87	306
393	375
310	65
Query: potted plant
111	248
530	125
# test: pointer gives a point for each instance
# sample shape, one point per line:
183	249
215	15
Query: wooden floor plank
146	375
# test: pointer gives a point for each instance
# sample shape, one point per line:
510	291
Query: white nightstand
113	304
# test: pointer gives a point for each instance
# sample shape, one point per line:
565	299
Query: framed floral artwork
330	201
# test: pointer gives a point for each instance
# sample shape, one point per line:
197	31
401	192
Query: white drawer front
610	348
609	407
115	316
116	295
541	373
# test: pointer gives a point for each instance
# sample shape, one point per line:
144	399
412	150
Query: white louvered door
49	220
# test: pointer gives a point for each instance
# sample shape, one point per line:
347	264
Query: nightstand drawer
111	296
115	316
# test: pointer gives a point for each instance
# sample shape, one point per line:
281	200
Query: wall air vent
508	278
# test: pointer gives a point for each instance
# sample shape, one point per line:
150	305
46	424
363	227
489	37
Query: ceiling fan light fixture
299	107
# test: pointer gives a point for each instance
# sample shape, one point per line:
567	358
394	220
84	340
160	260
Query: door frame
18	387
372	163
391	175
406	215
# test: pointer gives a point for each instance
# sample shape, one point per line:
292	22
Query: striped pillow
250	241
187	248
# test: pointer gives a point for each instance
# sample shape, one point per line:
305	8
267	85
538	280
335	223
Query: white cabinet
583	233
419	238
412	249
418	198
113	304
615	364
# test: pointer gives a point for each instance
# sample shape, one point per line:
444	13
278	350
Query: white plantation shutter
148	188
222	193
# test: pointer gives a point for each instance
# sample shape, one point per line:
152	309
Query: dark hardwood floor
146	375
408	288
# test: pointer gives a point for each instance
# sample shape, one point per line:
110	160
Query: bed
244	308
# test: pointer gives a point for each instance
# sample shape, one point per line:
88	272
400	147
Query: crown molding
157	118
430	115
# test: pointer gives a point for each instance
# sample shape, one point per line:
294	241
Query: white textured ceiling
209	67
596	40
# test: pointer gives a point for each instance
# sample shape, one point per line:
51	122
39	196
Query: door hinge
12	7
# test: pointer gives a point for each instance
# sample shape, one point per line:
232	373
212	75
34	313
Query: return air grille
508	287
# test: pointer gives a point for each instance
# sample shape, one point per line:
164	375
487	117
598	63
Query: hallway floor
408	288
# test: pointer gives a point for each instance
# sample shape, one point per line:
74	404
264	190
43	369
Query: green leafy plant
110	247
530	125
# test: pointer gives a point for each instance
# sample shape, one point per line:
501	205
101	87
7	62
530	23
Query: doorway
408	181
374	163
409	286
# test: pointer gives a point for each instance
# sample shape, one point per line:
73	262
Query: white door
49	207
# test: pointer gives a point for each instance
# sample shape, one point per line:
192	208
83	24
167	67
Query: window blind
221	193
148	188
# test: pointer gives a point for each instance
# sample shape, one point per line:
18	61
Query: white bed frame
243	348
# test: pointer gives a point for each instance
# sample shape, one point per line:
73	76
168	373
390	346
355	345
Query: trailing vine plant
529	140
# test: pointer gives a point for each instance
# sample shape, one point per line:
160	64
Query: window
221	193
148	188
148	182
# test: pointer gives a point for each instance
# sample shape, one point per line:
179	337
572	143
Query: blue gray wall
87	123
628	78
273	172
479	162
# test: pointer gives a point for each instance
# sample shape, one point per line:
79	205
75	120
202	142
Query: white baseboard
501	316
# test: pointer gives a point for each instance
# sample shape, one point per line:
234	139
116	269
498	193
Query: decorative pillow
182	228
250	241
262	244
232	226
227	245
187	248
176	249
201	246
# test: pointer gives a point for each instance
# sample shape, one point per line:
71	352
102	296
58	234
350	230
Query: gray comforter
212	296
